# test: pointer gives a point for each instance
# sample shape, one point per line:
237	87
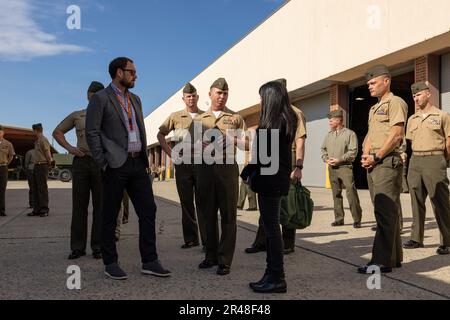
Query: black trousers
126	207
3	183
133	178
40	188
30	187
187	187
270	215
87	180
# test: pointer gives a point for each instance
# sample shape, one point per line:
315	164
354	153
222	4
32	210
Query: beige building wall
310	41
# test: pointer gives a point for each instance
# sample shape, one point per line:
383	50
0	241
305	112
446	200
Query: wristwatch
376	158
299	167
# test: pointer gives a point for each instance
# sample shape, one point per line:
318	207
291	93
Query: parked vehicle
62	168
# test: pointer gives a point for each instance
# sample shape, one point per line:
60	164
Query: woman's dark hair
118	63
276	110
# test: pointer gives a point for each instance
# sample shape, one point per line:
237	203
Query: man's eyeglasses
131	71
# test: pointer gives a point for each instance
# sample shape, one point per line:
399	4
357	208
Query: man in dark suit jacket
116	136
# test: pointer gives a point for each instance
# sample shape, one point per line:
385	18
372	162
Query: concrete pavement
34	257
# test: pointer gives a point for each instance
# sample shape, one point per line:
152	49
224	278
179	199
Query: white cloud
22	39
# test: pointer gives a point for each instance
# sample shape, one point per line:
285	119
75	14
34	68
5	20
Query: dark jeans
133	178
270	214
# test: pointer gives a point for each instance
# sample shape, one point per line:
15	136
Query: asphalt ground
34	253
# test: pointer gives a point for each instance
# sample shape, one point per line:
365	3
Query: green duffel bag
297	207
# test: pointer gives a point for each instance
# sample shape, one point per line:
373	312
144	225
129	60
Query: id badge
133	136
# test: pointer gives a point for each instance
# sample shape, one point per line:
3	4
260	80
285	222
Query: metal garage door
315	110
445	85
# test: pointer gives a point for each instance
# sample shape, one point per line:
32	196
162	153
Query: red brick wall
334	95
339	99
421	69
427	68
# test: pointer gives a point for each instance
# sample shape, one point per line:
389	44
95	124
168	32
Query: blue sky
46	67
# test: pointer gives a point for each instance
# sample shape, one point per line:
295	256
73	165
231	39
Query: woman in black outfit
277	116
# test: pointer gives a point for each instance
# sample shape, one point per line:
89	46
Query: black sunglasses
133	72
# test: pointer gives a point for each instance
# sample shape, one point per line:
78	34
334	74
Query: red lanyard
127	110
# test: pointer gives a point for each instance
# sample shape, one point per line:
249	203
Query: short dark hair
38	127
118	63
